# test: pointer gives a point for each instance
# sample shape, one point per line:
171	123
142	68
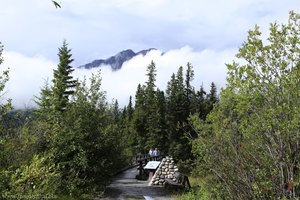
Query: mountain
117	60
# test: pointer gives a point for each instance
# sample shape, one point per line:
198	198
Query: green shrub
39	179
201	190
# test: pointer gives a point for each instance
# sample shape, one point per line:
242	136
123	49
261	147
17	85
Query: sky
206	33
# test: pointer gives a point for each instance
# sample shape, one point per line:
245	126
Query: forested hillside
242	143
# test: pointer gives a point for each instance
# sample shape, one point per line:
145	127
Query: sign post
151	167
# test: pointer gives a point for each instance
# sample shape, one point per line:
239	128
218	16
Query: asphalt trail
126	187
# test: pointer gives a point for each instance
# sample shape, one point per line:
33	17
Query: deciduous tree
250	144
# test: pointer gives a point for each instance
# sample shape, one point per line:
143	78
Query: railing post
140	167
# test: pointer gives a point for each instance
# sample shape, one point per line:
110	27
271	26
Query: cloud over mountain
28	74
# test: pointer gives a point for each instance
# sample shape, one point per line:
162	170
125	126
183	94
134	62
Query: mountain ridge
117	60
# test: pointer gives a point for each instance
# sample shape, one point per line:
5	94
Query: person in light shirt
151	152
156	152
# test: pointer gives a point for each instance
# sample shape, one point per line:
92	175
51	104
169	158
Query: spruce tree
63	82
201	103
177	115
211	98
139	121
161	133
150	105
189	90
115	112
129	109
44	101
128	133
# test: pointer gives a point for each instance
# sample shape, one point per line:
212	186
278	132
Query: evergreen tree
115	112
189	90
211	98
129	109
150	107
171	103
128	132
201	103
176	97
161	133
139	121
44	101
177	116
63	83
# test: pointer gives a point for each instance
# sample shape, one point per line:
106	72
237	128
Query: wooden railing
139	160
142	159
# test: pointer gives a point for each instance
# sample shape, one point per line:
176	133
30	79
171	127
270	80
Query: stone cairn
165	170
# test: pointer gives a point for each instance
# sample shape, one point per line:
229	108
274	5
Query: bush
200	191
39	179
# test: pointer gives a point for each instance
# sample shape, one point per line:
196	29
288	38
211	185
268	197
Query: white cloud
208	66
205	33
97	29
28	74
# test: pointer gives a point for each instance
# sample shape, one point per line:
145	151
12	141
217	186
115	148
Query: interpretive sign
152	165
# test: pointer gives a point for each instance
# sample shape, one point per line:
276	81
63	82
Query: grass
197	192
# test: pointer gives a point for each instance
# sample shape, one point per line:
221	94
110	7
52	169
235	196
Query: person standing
151	152
155	152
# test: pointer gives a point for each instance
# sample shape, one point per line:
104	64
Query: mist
29	74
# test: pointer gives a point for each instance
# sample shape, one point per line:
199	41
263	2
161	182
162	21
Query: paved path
126	187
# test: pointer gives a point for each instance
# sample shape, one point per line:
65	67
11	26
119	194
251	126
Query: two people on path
154	152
